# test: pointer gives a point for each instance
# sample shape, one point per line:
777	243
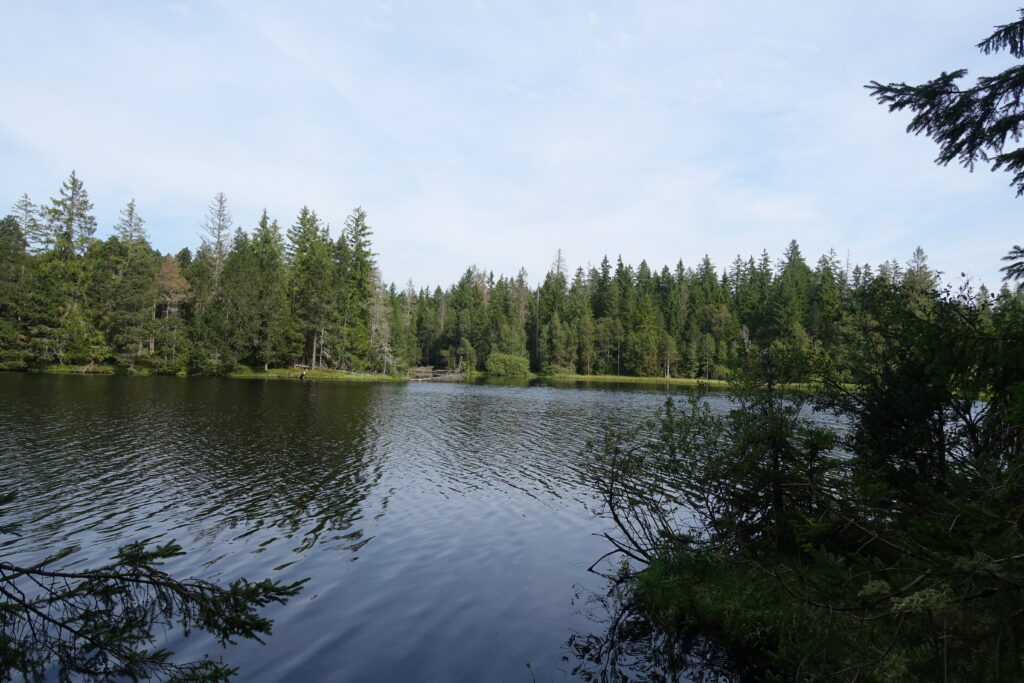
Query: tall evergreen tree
129	225
971	125
310	275
271	288
382	356
14	261
789	294
31	222
216	237
918	275
69	218
357	288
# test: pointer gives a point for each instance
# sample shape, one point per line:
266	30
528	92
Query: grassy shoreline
88	369
741	605
272	374
295	374
628	379
691	382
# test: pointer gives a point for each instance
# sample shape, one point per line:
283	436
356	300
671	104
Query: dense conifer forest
885	543
870	529
279	297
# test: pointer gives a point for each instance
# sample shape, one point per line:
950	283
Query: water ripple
445	528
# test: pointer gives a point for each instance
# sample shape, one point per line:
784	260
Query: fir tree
311	273
357	288
215	236
30	220
271	288
69	221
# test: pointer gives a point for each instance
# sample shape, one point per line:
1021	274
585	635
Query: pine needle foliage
975	124
100	624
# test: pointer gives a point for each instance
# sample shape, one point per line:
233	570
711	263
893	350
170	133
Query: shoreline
629	379
294	374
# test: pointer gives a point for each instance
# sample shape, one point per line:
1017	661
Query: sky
495	133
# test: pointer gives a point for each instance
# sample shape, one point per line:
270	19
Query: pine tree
602	303
122	296
14	261
215	236
382	351
63	326
311	272
271	287
129	230
971	125
234	314
168	339
404	326
29	219
826	300
644	338
581	319
357	288
129	226
558	264
789	294
69	221
918	275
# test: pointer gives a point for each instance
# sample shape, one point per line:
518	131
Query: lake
445	528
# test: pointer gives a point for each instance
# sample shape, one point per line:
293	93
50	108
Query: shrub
507	365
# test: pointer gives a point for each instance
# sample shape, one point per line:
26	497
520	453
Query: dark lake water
445	528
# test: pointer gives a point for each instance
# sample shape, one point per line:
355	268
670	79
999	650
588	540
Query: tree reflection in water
629	647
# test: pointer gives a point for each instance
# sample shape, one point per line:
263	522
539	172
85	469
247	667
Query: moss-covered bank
765	612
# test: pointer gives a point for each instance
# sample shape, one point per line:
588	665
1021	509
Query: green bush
553	369
507	365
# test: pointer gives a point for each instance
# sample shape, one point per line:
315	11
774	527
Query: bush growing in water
507	365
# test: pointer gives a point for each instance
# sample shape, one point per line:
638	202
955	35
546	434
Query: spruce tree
971	124
789	294
30	221
14	261
215	237
358	288
63	326
130	231
234	315
918	275
122	296
169	340
129	226
69	221
382	348
311	271
271	287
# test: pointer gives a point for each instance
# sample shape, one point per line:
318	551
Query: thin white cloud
497	133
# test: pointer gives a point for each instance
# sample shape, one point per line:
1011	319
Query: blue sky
496	133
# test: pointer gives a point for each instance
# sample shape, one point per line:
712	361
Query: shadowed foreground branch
99	624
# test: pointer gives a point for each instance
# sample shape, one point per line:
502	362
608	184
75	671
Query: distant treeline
276	298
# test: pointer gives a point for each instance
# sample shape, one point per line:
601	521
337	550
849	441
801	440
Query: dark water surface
444	528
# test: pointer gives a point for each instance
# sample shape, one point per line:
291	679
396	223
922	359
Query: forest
870	529
280	298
